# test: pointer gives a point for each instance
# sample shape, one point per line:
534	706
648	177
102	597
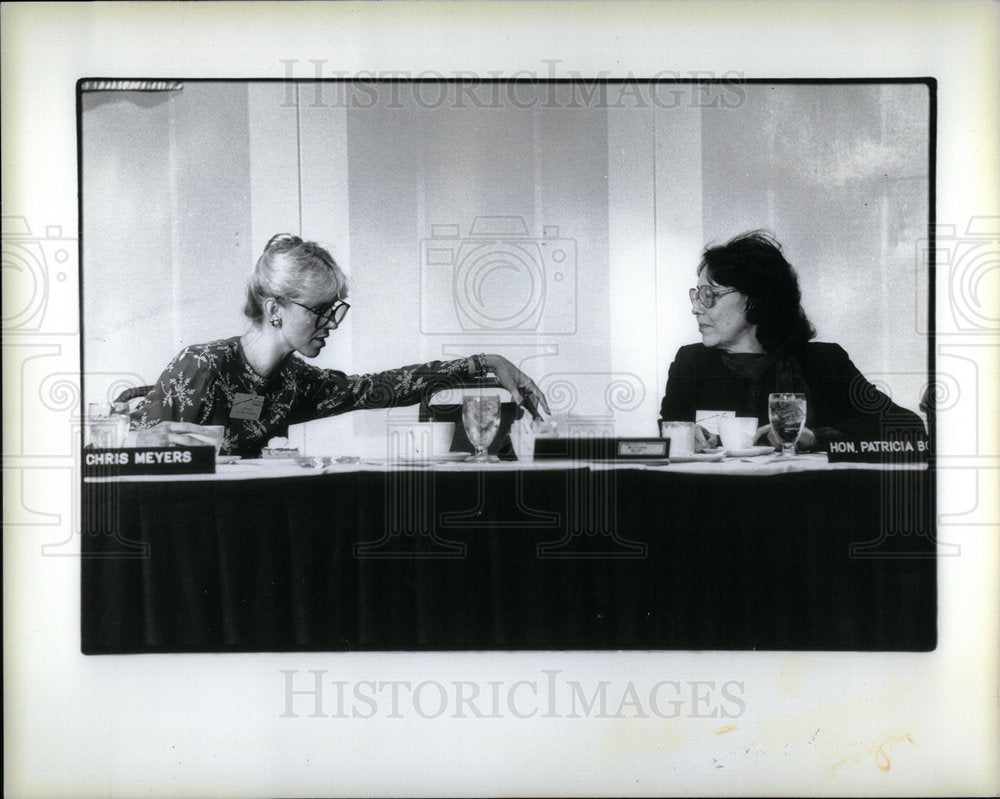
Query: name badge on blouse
247	406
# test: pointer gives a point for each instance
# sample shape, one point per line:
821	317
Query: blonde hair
295	269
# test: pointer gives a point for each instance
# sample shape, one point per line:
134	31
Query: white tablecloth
230	469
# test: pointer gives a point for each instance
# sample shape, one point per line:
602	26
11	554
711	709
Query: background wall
167	224
576	212
840	173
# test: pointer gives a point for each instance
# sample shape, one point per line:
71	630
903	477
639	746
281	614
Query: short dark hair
753	264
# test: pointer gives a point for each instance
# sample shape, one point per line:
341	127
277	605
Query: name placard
602	449
148	460
879	450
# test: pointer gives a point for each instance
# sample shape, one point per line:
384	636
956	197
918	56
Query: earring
275	321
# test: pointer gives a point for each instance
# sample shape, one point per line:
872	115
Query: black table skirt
504	560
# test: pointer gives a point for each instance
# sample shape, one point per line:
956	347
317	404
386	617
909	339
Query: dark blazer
842	403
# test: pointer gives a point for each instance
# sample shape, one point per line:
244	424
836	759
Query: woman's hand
521	387
703	440
174	434
806	440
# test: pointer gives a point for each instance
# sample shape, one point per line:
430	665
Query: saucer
699	457
448	457
750	452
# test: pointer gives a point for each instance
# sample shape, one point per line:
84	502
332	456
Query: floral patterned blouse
213	384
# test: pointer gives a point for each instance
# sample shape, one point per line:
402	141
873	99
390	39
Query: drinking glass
787	413
107	424
481	418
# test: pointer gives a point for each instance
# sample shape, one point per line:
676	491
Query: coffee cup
210	434
737	432
421	441
681	435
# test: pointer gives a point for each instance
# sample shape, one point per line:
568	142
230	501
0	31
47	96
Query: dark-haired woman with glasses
255	386
756	340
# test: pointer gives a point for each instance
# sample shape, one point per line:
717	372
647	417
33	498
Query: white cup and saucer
423	443
737	434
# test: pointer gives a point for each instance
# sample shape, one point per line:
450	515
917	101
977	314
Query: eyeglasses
707	296
334	313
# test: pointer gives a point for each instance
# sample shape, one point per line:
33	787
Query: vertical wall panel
274	155
326	218
436	181
633	278
680	232
166	201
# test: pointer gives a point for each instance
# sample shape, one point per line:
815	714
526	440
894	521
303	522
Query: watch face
652	448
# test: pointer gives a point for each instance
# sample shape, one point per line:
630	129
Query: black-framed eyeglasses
326	315
706	295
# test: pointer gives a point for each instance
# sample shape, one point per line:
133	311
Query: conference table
765	553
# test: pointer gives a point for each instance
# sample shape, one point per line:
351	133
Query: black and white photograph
597	389
583	270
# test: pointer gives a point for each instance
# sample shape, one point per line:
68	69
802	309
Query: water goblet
107	424
481	418
787	413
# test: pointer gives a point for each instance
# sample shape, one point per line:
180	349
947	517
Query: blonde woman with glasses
256	385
